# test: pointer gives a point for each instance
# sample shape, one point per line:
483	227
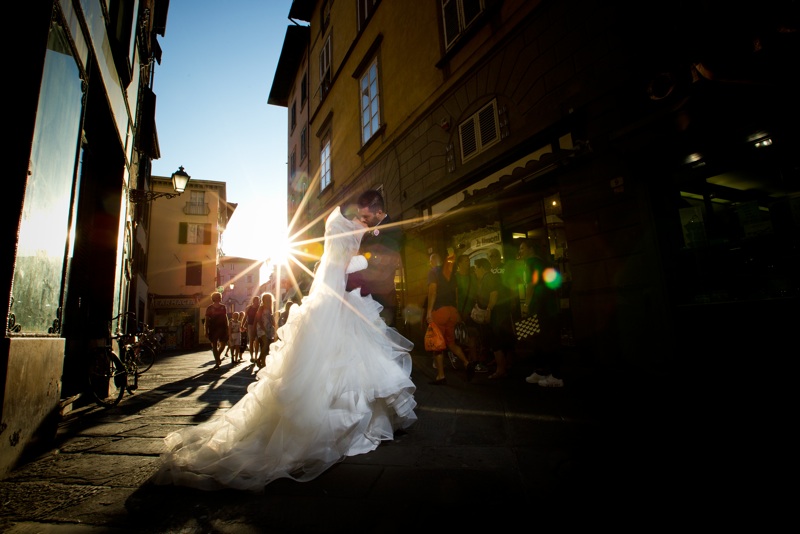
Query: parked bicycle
110	375
146	346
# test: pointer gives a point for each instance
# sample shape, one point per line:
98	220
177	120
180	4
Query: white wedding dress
335	385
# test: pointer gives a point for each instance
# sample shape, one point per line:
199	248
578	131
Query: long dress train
336	384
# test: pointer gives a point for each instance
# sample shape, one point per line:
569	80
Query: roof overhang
295	44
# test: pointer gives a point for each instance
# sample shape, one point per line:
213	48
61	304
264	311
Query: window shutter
488	125
469	141
182	233
479	131
207	234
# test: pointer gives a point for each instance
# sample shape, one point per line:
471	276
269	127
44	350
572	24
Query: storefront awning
537	164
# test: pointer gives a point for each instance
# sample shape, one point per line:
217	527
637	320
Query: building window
325	68
122	35
365	10
194	273
293	118
325	14
325	163
479	132
303	144
457	16
197	203
370	103
194	234
293	163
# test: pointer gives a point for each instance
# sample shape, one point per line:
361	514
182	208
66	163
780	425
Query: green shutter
182	233
207	234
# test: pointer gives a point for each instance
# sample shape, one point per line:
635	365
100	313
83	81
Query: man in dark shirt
541	300
381	246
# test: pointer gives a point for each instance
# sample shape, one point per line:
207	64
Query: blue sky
212	115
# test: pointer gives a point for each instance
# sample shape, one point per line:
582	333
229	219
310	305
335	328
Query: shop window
736	235
45	223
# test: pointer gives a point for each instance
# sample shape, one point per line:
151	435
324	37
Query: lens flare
552	278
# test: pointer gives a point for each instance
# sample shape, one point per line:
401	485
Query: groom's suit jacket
381	246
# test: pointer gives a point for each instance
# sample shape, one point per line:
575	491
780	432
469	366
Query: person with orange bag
442	310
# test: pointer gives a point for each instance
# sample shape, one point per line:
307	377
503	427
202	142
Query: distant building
183	257
239	279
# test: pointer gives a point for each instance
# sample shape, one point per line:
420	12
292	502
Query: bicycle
146	347
111	376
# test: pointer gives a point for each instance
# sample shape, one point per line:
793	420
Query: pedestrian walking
216	326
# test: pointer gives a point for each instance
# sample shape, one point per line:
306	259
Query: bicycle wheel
107	378
144	357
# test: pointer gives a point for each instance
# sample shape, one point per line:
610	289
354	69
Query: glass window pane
43	231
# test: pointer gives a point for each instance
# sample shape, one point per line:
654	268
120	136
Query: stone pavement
482	453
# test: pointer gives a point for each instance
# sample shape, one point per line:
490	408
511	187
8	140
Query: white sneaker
535	378
551	382
453	359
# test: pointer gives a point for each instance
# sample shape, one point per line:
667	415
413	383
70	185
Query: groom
381	246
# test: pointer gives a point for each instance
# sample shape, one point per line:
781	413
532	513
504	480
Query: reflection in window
44	225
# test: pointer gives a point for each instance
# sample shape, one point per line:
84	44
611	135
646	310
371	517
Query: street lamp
179	181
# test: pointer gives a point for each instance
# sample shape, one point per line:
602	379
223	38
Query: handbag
479	315
434	339
527	327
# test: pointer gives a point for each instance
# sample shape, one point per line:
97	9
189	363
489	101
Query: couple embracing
336	384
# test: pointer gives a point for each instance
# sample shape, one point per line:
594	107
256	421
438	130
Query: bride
336	383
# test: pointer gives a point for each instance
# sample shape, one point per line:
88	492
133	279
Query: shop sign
187	302
485	240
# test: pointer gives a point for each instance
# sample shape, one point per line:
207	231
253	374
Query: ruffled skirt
336	384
